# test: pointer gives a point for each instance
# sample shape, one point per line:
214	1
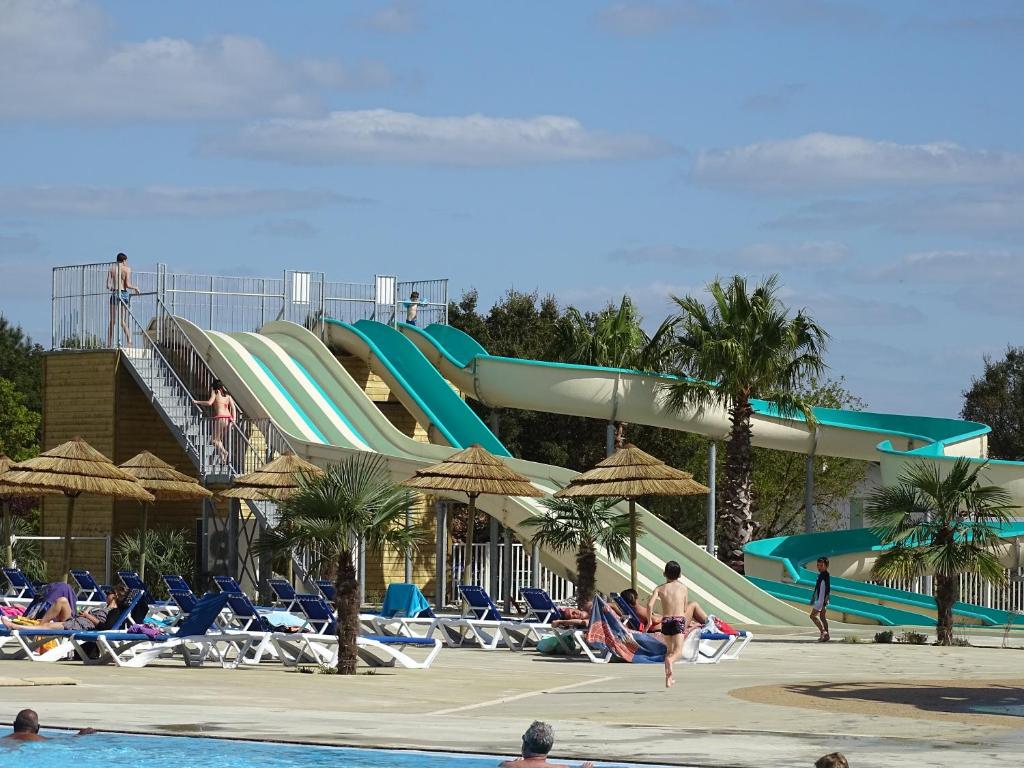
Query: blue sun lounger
19	586
540	607
483	624
405	609
321	645
88	589
31	642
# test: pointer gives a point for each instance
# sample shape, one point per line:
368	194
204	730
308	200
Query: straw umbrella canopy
166	484
627	474
74	468
274	481
8	492
473	471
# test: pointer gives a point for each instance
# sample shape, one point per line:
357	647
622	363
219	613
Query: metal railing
559	588
84	306
973	589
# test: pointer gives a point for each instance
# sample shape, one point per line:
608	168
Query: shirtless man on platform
677	613
119	283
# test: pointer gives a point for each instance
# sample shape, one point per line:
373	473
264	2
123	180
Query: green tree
167	550
583	525
941	525
19	425
997	399
21	362
612	338
779	476
330	512
744	345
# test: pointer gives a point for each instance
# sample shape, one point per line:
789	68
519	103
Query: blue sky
869	153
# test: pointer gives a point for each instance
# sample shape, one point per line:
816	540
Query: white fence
559	588
973	589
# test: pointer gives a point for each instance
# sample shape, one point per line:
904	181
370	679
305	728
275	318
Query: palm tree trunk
620	435
735	519
586	572
947	592
346	586
467	559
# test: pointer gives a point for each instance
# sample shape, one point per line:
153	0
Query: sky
870	154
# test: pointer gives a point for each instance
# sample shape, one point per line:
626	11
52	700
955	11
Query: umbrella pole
467	559
632	543
69	515
143	542
7	533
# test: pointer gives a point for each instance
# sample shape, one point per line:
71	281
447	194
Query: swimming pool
109	749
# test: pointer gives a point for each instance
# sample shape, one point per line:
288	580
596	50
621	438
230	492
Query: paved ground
787	701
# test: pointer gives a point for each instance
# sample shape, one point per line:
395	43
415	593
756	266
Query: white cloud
382	136
397	18
992	214
755	256
825	160
132	202
58	60
639	19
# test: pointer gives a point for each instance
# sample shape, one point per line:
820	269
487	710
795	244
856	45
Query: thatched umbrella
473	471
8	492
74	468
166	484
627	474
274	481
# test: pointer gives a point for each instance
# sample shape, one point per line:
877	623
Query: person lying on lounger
26	728
537	743
61	615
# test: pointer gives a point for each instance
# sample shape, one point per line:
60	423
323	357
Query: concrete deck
785	703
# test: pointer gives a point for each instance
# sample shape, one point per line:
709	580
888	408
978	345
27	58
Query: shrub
884	636
913	638
851	639
167	551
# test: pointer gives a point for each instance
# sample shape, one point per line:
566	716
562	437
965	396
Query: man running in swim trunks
677	613
119	283
224	414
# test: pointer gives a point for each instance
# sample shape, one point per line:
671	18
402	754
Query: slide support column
809	486
506	570
492	549
609	440
712	461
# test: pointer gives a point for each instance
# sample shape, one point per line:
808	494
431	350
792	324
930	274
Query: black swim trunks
673	625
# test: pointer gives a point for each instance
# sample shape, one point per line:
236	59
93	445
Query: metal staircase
172	389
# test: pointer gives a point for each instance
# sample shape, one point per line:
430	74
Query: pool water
110	749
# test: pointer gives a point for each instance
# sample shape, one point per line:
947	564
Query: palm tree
329	512
744	345
583	524
612	339
942	525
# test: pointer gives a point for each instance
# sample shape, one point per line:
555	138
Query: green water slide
638	397
287	374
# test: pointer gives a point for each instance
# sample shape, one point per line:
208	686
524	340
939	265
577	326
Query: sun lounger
30	642
19	587
88	589
540	608
405	610
484	625
326	587
175	583
373	650
194	639
284	594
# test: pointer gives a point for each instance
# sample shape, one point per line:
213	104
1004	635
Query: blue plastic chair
480	604
228	584
19	585
326	587
175	583
319	614
284	593
131	579
249	619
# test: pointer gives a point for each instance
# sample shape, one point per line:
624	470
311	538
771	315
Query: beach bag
691	647
557	646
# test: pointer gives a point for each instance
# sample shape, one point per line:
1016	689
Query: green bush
913	638
884	636
167	551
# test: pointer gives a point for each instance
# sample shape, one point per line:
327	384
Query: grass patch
851	640
884	636
913	638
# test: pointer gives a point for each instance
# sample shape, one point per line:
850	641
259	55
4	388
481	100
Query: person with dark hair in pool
538	741
26	728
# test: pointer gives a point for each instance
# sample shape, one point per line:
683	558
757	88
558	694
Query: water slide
630	396
288	375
